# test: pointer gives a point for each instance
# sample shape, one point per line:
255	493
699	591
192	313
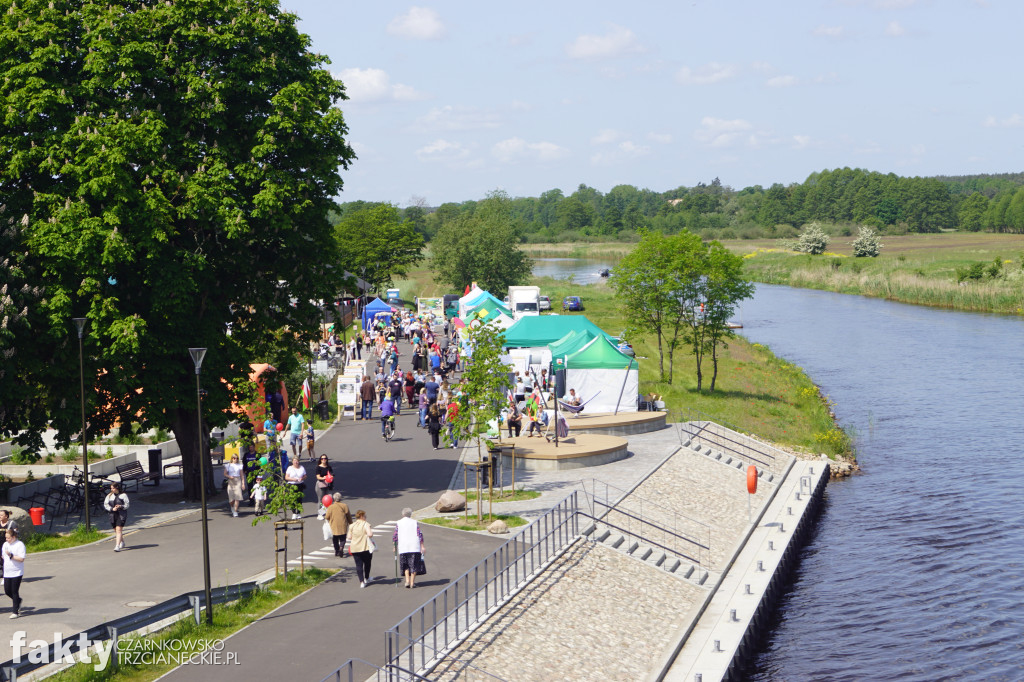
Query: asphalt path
72	590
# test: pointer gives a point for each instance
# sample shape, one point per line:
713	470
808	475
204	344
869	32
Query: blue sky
454	99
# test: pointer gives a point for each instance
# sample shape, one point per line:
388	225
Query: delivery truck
524	301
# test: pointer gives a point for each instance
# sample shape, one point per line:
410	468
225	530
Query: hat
259	476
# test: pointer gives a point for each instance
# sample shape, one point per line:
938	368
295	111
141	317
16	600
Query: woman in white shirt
295	475
13	553
235	477
117	504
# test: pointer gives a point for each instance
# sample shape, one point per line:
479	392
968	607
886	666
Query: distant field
977	245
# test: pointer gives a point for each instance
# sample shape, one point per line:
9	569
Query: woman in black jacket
434	424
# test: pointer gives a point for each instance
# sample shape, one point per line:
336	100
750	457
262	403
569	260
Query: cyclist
387	412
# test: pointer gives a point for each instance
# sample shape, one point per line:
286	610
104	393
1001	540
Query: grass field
919	269
756	392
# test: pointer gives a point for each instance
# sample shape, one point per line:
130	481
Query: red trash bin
38	515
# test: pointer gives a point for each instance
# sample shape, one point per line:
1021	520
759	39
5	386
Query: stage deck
609	424
582	450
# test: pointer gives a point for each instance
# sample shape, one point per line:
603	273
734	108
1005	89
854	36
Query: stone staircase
652	556
728	460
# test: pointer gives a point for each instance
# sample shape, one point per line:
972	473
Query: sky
451	100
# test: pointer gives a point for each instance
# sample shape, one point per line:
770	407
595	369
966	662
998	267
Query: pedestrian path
327	552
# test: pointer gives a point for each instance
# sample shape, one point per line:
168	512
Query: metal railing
696	427
348	673
416	641
650	522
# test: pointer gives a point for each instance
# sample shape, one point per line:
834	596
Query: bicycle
389	428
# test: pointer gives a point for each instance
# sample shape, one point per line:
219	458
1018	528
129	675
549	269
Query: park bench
133	474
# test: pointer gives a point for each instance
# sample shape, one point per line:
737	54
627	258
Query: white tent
604	376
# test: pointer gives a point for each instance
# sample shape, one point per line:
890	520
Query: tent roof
599	354
541	330
471	296
489	303
570	343
377	305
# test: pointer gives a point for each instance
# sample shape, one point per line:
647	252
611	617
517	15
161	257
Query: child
259	495
309	441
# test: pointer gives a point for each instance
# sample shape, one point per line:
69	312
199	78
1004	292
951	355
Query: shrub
867	244
975	271
813	240
19	455
996	269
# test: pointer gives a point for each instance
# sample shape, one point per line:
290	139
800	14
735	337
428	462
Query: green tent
600	354
570	343
541	330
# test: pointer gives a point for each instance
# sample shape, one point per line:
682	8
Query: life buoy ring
751	479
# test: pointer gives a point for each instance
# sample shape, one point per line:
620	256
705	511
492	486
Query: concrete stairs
652	556
728	460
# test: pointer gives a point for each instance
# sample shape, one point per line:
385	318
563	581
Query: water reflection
582	270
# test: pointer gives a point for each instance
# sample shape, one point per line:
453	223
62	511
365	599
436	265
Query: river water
916	568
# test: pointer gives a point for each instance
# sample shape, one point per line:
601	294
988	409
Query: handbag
328	533
373	546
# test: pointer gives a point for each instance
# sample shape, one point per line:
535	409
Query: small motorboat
604	272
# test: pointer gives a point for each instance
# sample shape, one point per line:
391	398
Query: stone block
450	501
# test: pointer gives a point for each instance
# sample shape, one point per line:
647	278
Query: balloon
329	479
280	427
327	500
263	461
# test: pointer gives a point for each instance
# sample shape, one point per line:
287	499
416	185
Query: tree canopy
377	245
172	166
481	247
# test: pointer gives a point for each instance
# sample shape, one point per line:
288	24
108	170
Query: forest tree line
845	196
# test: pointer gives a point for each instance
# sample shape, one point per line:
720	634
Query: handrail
642	520
389	670
448	615
440	657
746	447
647	540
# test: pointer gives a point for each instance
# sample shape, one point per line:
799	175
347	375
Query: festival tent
540	330
600	373
570	343
487	303
372	309
470	298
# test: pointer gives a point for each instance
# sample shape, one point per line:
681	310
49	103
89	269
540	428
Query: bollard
798	497
195	607
771	546
732	615
747	589
789	511
782	528
760	567
697	677
718	646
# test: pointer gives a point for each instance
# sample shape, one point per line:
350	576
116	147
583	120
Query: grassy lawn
460	523
227	619
919	269
47	542
509	496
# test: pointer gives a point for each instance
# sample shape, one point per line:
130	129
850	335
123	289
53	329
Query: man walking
367	394
295	423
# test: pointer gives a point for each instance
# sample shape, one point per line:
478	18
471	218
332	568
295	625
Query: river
916	568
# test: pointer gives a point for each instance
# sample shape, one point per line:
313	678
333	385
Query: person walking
295	424
235	479
310	435
434	424
324	483
423	406
13	553
408	541
449	418
367	394
295	475
116	502
339	518
361	547
259	495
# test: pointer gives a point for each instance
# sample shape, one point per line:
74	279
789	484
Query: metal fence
697	428
417	641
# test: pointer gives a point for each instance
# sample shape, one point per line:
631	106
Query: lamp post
80	325
197	357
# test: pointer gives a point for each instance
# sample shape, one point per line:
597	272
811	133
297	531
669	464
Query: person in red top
453	412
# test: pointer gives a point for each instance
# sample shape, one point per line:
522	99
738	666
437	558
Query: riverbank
922	269
756	392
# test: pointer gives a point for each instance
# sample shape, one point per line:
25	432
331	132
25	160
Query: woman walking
14	569
361	546
434	424
235	479
116	502
339	518
324	483
408	540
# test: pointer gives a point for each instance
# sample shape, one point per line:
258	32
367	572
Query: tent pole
624	380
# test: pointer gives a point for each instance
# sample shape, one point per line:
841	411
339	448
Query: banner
305	393
430	305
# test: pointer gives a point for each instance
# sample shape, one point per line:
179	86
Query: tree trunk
661	358
714	365
185	426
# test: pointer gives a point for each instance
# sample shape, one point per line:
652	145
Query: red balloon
751	479
327	500
280	427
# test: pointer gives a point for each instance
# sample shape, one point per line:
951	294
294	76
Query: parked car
545	303
572	303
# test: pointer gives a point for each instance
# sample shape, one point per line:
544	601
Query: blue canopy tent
372	309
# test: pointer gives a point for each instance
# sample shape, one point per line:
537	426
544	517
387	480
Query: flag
305	393
467	290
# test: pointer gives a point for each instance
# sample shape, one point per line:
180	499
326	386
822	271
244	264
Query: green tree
867	243
482	248
813	240
175	164
970	215
724	286
377	245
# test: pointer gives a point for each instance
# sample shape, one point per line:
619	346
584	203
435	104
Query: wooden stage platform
609	424
579	450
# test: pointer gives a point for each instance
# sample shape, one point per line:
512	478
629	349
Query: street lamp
197	357
80	324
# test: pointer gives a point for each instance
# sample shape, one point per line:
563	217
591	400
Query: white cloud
707	74
374	85
617	42
1012	121
606	136
451	154
456	118
895	29
830	31
782	82
516	148
719	132
660	138
419	23
801	141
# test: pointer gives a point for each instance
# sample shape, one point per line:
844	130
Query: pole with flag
305	393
